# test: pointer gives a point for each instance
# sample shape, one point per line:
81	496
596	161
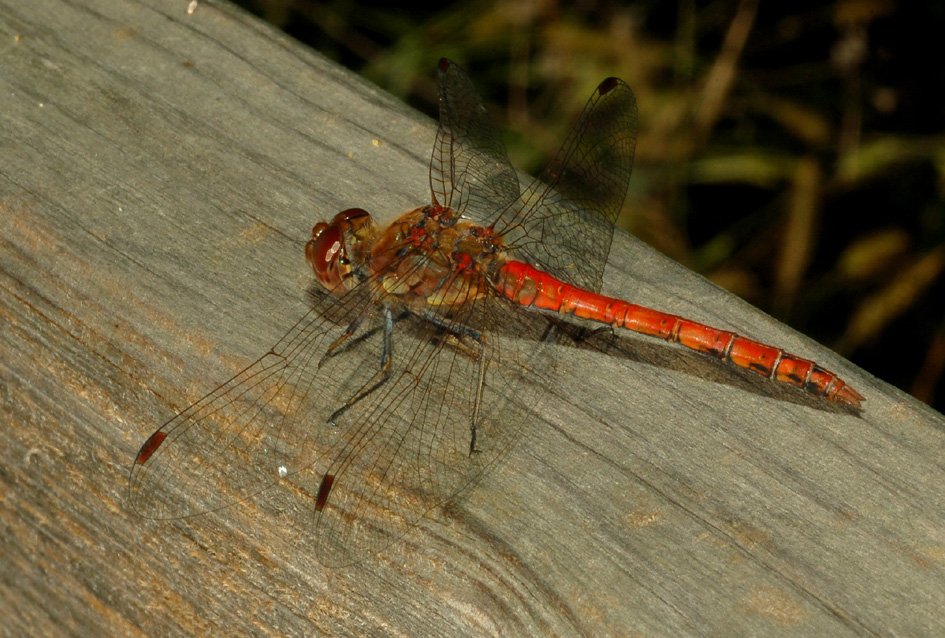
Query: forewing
399	451
564	223
260	426
469	170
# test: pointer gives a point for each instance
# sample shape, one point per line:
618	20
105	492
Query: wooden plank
159	174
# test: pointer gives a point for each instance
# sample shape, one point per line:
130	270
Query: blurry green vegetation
792	152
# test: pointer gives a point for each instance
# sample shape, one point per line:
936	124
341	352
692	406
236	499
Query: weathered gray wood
159	173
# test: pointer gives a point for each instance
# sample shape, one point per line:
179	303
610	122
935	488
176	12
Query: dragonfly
431	342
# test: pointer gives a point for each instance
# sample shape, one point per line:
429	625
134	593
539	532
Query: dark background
791	152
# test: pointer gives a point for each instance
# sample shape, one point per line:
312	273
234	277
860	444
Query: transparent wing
406	447
400	450
470	170
258	427
564	221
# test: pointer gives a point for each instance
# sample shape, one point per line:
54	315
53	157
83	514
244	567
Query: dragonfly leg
465	331
382	374
347	334
480	383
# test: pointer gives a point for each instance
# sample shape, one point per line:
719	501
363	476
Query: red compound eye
326	250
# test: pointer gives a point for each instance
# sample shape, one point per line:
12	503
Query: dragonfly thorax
432	256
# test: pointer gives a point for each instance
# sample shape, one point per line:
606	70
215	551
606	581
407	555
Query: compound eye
326	251
318	229
349	215
323	252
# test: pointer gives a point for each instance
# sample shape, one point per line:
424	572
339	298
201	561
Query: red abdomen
526	285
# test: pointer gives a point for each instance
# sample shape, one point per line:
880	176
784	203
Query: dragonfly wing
405	448
257	428
564	222
470	171
399	451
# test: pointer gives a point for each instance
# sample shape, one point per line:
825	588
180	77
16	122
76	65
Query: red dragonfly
420	362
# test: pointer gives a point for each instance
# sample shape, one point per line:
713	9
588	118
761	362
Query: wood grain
159	174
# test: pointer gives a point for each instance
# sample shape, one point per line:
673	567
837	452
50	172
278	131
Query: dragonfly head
329	250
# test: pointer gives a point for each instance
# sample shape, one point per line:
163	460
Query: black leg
380	377
352	328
